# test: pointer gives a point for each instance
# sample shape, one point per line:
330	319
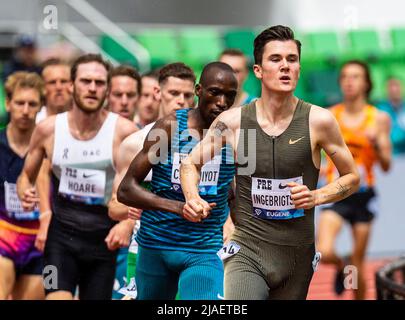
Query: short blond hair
24	80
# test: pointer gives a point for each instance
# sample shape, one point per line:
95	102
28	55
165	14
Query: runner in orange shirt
366	132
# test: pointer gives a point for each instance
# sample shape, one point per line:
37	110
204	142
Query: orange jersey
359	145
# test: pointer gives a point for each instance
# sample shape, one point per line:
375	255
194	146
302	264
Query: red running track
321	287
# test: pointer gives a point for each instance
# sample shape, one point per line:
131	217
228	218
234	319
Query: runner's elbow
356	181
386	166
123	193
112	210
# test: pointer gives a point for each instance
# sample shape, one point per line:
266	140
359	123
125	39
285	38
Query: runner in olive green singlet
276	240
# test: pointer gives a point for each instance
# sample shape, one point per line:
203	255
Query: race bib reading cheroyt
209	174
271	199
83	185
13	205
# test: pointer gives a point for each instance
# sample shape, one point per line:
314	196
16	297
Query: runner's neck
18	140
355	106
276	107
85	126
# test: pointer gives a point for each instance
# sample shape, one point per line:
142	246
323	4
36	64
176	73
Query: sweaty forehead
173	83
56	71
25	94
283	48
92	70
218	77
148	81
123	82
236	62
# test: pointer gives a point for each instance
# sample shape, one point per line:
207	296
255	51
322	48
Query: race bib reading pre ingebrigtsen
208	178
13	205
271	199
82	185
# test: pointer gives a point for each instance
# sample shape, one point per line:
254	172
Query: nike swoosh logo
280	186
220	297
295	141
89	175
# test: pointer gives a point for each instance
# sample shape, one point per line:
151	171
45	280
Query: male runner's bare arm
120	234
127	151
383	144
43	187
329	138
229	226
130	192
220	132
122	160
32	165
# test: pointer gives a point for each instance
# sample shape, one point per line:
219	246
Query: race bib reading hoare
271	199
82	185
208	178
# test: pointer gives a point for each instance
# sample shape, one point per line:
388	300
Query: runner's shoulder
46	127
134	142
383	117
231	118
125	127
321	118
165	123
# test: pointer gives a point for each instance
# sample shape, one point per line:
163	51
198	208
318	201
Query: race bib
228	250
130	290
209	174
82	185
13	205
133	247
316	260
271	199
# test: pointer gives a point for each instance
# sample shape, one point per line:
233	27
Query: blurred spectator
63	49
58	98
24	58
148	104
125	89
395	107
239	63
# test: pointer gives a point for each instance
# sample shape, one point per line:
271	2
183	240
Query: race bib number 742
82	185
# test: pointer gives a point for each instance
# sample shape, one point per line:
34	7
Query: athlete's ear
299	72
7	104
257	69
71	88
157	93
198	89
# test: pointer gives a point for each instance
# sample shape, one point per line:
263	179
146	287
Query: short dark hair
176	70
87	58
274	33
392	77
232	52
53	62
367	73
154	74
127	71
